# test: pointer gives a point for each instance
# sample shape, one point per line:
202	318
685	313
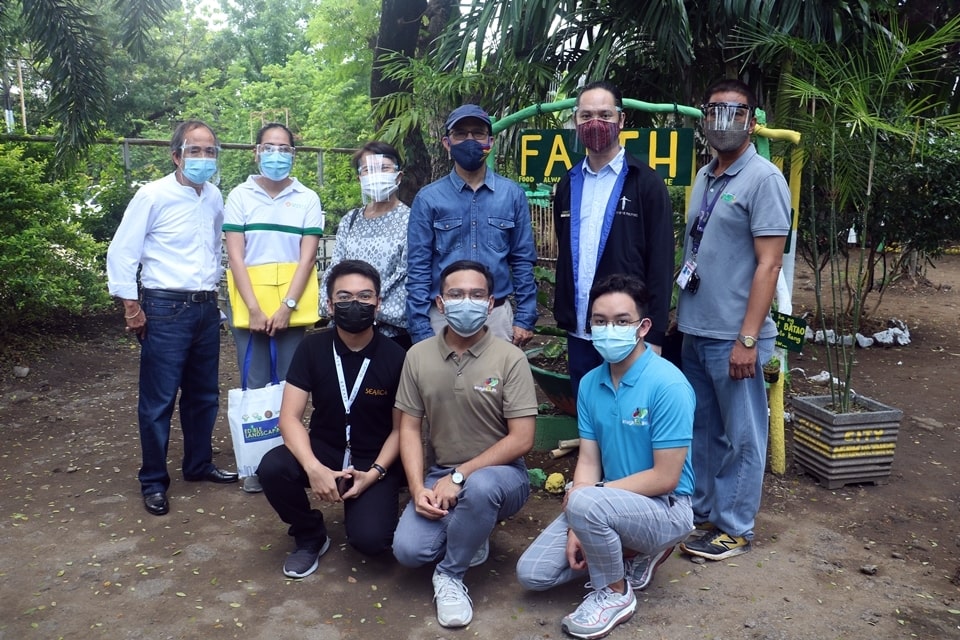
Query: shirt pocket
447	233
499	231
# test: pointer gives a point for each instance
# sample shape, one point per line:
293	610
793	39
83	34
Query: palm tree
648	47
70	49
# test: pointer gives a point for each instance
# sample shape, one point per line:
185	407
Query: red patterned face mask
598	135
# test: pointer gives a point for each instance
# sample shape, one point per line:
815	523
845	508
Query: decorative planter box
556	386
844	448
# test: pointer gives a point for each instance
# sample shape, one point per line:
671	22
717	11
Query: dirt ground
80	558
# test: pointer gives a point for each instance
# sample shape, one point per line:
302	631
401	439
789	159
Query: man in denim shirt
472	214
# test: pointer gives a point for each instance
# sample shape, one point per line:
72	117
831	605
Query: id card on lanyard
348	400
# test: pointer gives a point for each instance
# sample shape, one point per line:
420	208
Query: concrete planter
844	448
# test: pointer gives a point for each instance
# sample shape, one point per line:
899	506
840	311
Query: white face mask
378	187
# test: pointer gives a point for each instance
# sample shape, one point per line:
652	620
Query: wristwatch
290	302
380	470
748	341
457	478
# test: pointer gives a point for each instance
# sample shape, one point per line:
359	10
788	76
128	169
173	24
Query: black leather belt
499	302
181	296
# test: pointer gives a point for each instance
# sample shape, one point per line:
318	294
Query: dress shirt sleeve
419	269
126	248
523	257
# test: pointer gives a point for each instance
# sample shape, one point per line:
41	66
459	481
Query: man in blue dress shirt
471	214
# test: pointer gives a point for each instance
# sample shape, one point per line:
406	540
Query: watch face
290	302
457	477
748	341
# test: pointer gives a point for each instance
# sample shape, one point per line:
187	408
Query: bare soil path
80	558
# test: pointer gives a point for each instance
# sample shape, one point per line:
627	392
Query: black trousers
369	519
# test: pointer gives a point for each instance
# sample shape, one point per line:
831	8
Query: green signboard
790	331
545	155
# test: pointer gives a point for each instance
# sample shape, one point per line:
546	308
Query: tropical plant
855	98
70	48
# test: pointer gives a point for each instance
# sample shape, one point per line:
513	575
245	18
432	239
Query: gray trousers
607	521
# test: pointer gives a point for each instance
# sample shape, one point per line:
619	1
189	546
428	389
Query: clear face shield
379	178
726	125
200	163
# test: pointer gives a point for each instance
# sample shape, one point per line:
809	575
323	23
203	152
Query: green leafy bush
49	264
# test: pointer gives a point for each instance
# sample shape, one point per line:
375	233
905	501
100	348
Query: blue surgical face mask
614	343
466	317
276	165
469	154
198	170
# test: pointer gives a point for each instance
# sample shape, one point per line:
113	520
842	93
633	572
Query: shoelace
592	603
450	591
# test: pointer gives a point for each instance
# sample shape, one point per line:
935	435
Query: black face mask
354	316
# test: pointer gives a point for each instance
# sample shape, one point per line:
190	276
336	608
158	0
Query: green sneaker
716	546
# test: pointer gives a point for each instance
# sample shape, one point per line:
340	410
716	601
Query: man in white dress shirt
171	233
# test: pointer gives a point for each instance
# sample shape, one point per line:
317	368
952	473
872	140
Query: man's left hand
521	336
742	361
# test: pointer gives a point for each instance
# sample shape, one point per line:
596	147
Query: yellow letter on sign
558	153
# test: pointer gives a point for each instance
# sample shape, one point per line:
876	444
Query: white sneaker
481	554
599	613
454	607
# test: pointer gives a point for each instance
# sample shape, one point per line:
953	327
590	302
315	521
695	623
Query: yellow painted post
778	448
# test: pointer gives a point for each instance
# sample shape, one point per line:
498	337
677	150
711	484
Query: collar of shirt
748	154
475	350
632	376
459	183
615	165
252	184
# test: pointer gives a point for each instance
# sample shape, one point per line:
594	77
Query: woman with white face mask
271	218
376	232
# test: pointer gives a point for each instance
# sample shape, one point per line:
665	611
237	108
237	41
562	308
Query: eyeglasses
364	297
480	135
477	295
604	114
600	321
196	151
276	148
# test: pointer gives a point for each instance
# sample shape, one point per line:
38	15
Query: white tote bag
254	416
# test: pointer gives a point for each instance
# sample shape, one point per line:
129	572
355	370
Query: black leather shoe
218	476
156	503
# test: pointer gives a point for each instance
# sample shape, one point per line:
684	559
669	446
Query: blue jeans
582	357
730	428
489	494
181	351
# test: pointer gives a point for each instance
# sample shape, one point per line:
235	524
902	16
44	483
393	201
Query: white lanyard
348	401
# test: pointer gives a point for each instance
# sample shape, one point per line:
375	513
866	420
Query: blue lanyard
696	232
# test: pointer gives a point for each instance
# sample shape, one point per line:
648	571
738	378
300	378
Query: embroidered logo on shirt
489	385
728	197
639	418
375	392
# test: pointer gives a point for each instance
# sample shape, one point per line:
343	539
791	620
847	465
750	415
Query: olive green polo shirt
466	400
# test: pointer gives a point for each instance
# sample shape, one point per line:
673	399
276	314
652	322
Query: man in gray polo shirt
737	225
478	395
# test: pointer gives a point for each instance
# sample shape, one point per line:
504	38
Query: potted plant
853	98
771	370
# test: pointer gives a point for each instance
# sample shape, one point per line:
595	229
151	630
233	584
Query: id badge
685	272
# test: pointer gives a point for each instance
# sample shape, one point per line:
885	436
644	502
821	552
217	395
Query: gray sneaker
251	484
304	560
481	555
599	613
639	570
454	607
